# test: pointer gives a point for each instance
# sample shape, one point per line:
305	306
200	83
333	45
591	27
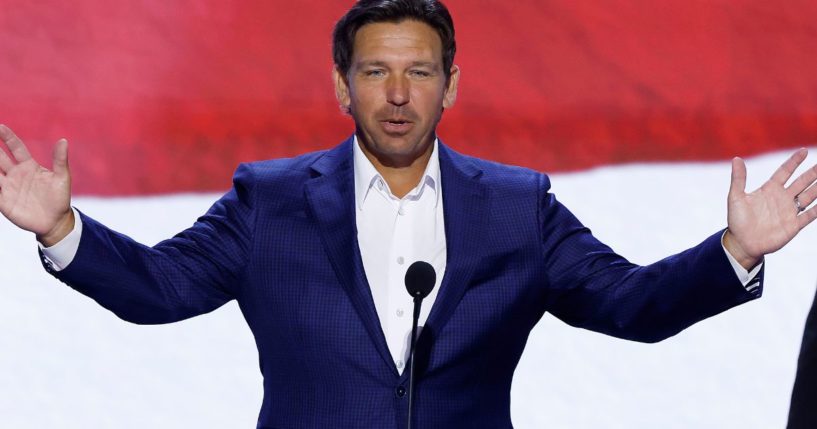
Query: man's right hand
31	196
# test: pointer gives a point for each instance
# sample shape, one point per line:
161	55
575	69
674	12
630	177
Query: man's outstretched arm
192	273
595	288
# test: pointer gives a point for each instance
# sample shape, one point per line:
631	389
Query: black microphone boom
420	279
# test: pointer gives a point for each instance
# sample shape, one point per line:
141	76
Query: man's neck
402	177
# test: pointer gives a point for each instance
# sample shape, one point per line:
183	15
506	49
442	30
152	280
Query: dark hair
431	12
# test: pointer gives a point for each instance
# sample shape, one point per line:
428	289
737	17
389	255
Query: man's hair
431	12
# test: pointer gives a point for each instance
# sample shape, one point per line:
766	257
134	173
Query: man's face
396	90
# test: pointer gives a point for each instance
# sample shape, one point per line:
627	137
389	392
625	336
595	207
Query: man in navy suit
803	409
314	249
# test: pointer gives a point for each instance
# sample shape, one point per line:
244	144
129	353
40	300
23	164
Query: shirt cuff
62	253
744	276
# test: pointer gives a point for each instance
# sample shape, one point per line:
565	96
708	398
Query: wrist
63	227
745	259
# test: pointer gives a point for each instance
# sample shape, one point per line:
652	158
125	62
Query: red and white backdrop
163	98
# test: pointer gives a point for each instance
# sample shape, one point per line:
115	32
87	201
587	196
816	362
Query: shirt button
400	260
401	211
400	391
400	364
399	312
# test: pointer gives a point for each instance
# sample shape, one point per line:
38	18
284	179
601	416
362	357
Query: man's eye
375	73
420	73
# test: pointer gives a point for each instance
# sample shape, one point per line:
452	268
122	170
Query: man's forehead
397	38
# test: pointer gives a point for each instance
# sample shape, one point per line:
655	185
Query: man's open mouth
396	126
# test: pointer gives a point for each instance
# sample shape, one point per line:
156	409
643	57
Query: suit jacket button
400	391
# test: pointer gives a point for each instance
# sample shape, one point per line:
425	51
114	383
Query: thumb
60	165
737	187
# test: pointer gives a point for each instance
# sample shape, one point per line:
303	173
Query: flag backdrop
161	97
166	97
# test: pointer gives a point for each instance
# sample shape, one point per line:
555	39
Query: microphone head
420	279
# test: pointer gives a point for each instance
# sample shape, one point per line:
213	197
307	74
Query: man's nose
397	92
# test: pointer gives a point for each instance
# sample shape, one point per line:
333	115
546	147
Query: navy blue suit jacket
283	243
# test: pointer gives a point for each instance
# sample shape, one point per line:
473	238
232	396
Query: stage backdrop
168	96
159	97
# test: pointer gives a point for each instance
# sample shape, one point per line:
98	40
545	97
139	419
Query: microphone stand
420	279
417	302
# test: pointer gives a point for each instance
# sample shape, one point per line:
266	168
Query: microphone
420	279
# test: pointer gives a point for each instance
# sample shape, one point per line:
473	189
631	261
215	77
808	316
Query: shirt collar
366	175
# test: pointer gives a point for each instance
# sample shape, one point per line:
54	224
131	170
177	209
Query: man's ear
341	90
450	95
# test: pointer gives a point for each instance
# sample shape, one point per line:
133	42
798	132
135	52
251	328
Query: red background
159	96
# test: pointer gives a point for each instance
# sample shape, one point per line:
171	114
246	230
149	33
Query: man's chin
397	152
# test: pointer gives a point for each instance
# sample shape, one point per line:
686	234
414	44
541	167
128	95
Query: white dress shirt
392	234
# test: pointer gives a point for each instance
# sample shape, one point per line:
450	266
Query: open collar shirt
392	234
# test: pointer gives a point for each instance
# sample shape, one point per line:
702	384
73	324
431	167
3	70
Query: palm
765	220
32	197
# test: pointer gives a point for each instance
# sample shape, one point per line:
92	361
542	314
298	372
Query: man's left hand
763	221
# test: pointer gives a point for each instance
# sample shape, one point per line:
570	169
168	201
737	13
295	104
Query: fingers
806	198
5	162
60	165
807	217
784	172
15	145
803	181
737	187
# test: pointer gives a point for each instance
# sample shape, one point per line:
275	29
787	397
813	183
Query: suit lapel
465	206
331	196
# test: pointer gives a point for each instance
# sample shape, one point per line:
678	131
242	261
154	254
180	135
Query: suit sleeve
192	273
592	287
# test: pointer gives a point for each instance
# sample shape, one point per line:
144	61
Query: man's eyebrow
372	63
424	64
428	64
378	63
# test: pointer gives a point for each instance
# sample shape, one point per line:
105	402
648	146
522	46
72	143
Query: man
314	249
802	409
